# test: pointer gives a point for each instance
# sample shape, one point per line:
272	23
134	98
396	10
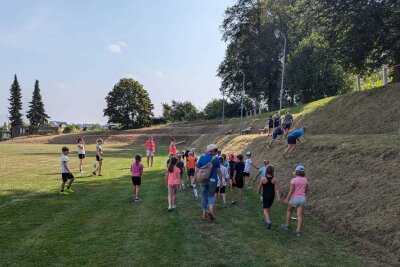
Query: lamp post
241	106
277	34
223	107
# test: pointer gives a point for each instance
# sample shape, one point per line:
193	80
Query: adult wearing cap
208	188
150	150
296	198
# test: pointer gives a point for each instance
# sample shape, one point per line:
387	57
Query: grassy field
98	225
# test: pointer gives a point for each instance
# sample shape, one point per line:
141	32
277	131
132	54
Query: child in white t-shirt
222	181
247	166
65	173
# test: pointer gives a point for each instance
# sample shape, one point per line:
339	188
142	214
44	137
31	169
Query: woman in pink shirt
150	150
137	172
172	181
296	199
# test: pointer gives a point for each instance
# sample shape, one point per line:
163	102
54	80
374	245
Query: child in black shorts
65	173
238	179
137	172
268	188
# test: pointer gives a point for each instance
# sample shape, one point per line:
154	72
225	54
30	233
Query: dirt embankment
354	183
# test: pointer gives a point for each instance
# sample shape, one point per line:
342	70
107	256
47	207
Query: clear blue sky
78	50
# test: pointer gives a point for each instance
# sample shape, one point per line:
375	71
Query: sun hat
299	168
248	153
231	157
211	147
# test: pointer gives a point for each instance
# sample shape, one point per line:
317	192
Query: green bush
97	127
69	129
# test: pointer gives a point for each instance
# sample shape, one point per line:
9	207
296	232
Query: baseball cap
248	153
231	157
299	168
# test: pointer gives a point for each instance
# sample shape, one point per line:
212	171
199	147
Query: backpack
204	173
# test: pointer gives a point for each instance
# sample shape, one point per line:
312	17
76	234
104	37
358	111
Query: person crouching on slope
292	139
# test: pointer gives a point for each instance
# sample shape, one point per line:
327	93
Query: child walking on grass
172	181
268	188
137	172
296	199
65	173
221	185
238	179
81	153
99	156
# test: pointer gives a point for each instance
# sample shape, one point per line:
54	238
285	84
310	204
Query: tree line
328	42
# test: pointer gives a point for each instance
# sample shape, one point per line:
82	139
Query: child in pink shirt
296	198
173	181
137	172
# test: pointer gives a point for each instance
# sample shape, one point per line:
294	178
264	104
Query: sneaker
297	233
269	225
81	171
234	202
137	199
285	227
174	206
69	190
64	193
169	209
94	173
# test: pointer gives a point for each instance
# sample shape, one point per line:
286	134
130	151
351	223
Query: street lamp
241	108
277	34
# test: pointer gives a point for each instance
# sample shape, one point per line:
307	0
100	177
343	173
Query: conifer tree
15	107
36	113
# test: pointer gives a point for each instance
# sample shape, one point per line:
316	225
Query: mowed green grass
98	225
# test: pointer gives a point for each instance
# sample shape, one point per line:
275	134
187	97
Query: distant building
111	126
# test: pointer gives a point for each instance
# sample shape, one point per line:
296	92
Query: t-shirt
99	149
270	123
300	184
191	162
150	145
231	167
206	158
225	176
276	119
247	165
278	130
172	149
180	165
297	133
136	169
288	118
64	163
239	168
173	177
81	149
262	171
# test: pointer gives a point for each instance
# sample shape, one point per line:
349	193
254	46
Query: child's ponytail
172	163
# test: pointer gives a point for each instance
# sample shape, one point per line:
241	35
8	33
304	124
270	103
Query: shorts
66	176
287	126
270	126
291	140
181	175
274	136
267	202
276	124
99	158
222	190
246	174
297	201
149	153
136	180
239	183
190	171
81	156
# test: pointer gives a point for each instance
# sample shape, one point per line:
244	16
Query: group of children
66	174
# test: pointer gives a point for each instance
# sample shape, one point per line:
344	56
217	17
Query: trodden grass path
98	225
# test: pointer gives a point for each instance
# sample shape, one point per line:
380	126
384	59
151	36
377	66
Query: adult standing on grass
292	140
81	153
209	165
99	157
150	150
287	121
296	199
65	173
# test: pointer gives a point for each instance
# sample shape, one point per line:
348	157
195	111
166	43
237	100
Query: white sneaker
81	171
174	206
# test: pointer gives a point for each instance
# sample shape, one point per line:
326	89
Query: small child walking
65	173
296	199
268	188
181	167
221	185
172	181
238	179
99	157
137	172
247	166
81	153
231	168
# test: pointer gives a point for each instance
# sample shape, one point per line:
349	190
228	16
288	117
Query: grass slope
99	225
